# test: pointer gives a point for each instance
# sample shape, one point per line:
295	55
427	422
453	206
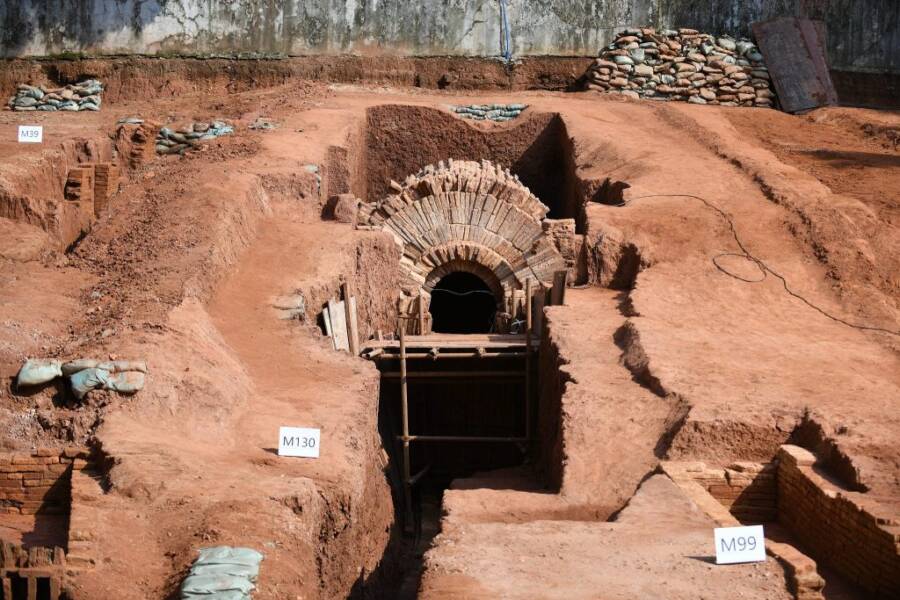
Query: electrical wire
764	268
469	293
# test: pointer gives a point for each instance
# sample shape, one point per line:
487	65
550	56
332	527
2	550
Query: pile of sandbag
489	112
222	573
84	95
682	65
177	141
84	375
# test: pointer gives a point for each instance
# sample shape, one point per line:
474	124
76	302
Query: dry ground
183	269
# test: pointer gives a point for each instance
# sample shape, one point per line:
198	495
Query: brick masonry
801	572
106	184
83	519
748	490
38	482
52	481
844	530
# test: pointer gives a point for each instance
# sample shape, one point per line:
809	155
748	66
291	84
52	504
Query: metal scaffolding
447	347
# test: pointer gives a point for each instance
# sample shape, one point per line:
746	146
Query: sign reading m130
740	545
298	441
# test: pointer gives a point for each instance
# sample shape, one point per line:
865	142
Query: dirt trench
196	271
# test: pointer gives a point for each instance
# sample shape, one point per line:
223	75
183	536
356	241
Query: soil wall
33	190
400	140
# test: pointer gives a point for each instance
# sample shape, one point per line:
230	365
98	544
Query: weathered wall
864	34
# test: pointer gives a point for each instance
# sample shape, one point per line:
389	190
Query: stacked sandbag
489	112
80	96
222	573
682	65
85	374
177	141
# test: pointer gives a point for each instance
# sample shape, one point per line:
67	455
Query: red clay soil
184	270
658	547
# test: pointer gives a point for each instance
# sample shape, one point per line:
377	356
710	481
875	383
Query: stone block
343	208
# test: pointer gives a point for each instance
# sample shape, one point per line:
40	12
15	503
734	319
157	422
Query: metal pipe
528	357
459	438
415	478
404	411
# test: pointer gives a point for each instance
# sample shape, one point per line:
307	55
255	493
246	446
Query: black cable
760	264
491	294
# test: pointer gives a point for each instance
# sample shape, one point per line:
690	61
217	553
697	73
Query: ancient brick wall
38	481
747	489
83	518
844	530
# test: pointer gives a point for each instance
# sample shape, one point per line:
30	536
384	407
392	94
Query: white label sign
298	441
31	133
740	545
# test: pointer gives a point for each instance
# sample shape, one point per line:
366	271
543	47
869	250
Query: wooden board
795	55
354	328
537	306
558	292
338	322
444	340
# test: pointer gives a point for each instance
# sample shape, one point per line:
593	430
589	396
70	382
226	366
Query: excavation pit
454	405
536	147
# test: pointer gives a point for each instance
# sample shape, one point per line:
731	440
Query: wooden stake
558	294
421	314
350	313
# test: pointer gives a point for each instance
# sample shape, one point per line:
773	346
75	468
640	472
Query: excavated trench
513	409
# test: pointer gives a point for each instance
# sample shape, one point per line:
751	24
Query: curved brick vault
467	216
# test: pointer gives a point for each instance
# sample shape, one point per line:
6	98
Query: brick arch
467	214
464	266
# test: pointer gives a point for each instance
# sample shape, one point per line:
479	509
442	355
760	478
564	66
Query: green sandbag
226	595
247	571
213	584
128	382
80	364
36	371
225	555
86	380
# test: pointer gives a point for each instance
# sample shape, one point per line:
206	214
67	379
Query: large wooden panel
795	55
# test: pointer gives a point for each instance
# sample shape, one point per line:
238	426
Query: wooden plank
326	318
421	306
338	325
449	341
797	65
558	292
540	299
350	319
355	325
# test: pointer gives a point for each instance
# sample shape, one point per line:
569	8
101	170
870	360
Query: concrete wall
864	34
